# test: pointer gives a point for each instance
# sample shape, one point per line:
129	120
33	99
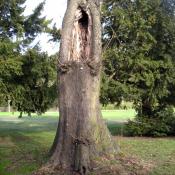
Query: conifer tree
17	32
139	39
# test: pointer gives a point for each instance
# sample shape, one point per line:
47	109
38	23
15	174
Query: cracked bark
82	135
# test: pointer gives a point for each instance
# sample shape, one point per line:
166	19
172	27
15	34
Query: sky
54	9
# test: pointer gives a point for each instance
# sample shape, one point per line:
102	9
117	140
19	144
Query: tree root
119	165
56	170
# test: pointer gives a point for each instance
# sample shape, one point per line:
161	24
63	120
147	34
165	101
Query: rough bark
82	135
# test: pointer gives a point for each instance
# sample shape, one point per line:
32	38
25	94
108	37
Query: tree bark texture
82	135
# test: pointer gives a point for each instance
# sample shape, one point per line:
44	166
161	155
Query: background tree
139	59
10	26
36	87
17	32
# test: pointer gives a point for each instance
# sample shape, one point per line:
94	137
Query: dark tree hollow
81	36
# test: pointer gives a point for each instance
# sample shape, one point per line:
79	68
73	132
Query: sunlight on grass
24	143
107	114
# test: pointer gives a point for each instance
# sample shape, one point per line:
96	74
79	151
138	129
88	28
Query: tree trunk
29	114
9	106
20	115
82	135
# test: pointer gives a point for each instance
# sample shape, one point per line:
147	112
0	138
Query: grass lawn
119	115
24	144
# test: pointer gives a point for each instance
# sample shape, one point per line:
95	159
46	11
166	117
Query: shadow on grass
24	146
24	143
45	124
116	128
23	155
28	125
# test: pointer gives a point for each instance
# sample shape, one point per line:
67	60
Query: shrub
162	123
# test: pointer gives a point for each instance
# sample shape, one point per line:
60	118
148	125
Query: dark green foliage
11	18
162	123
55	33
36	87
126	42
139	52
10	67
34	24
27	77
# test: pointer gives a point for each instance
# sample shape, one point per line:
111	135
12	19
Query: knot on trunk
94	66
81	140
63	67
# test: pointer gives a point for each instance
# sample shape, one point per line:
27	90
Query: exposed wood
81	35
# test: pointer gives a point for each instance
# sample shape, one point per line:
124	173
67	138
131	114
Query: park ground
24	144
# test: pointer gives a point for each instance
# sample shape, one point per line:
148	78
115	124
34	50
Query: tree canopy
139	52
26	75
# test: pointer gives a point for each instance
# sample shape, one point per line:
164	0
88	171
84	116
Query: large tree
139	39
82	136
11	26
17	65
35	88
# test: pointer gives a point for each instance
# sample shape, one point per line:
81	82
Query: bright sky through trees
54	9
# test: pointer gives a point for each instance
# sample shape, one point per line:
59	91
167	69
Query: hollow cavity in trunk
81	36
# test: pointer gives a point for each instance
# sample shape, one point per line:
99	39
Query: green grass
119	115
159	152
24	143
